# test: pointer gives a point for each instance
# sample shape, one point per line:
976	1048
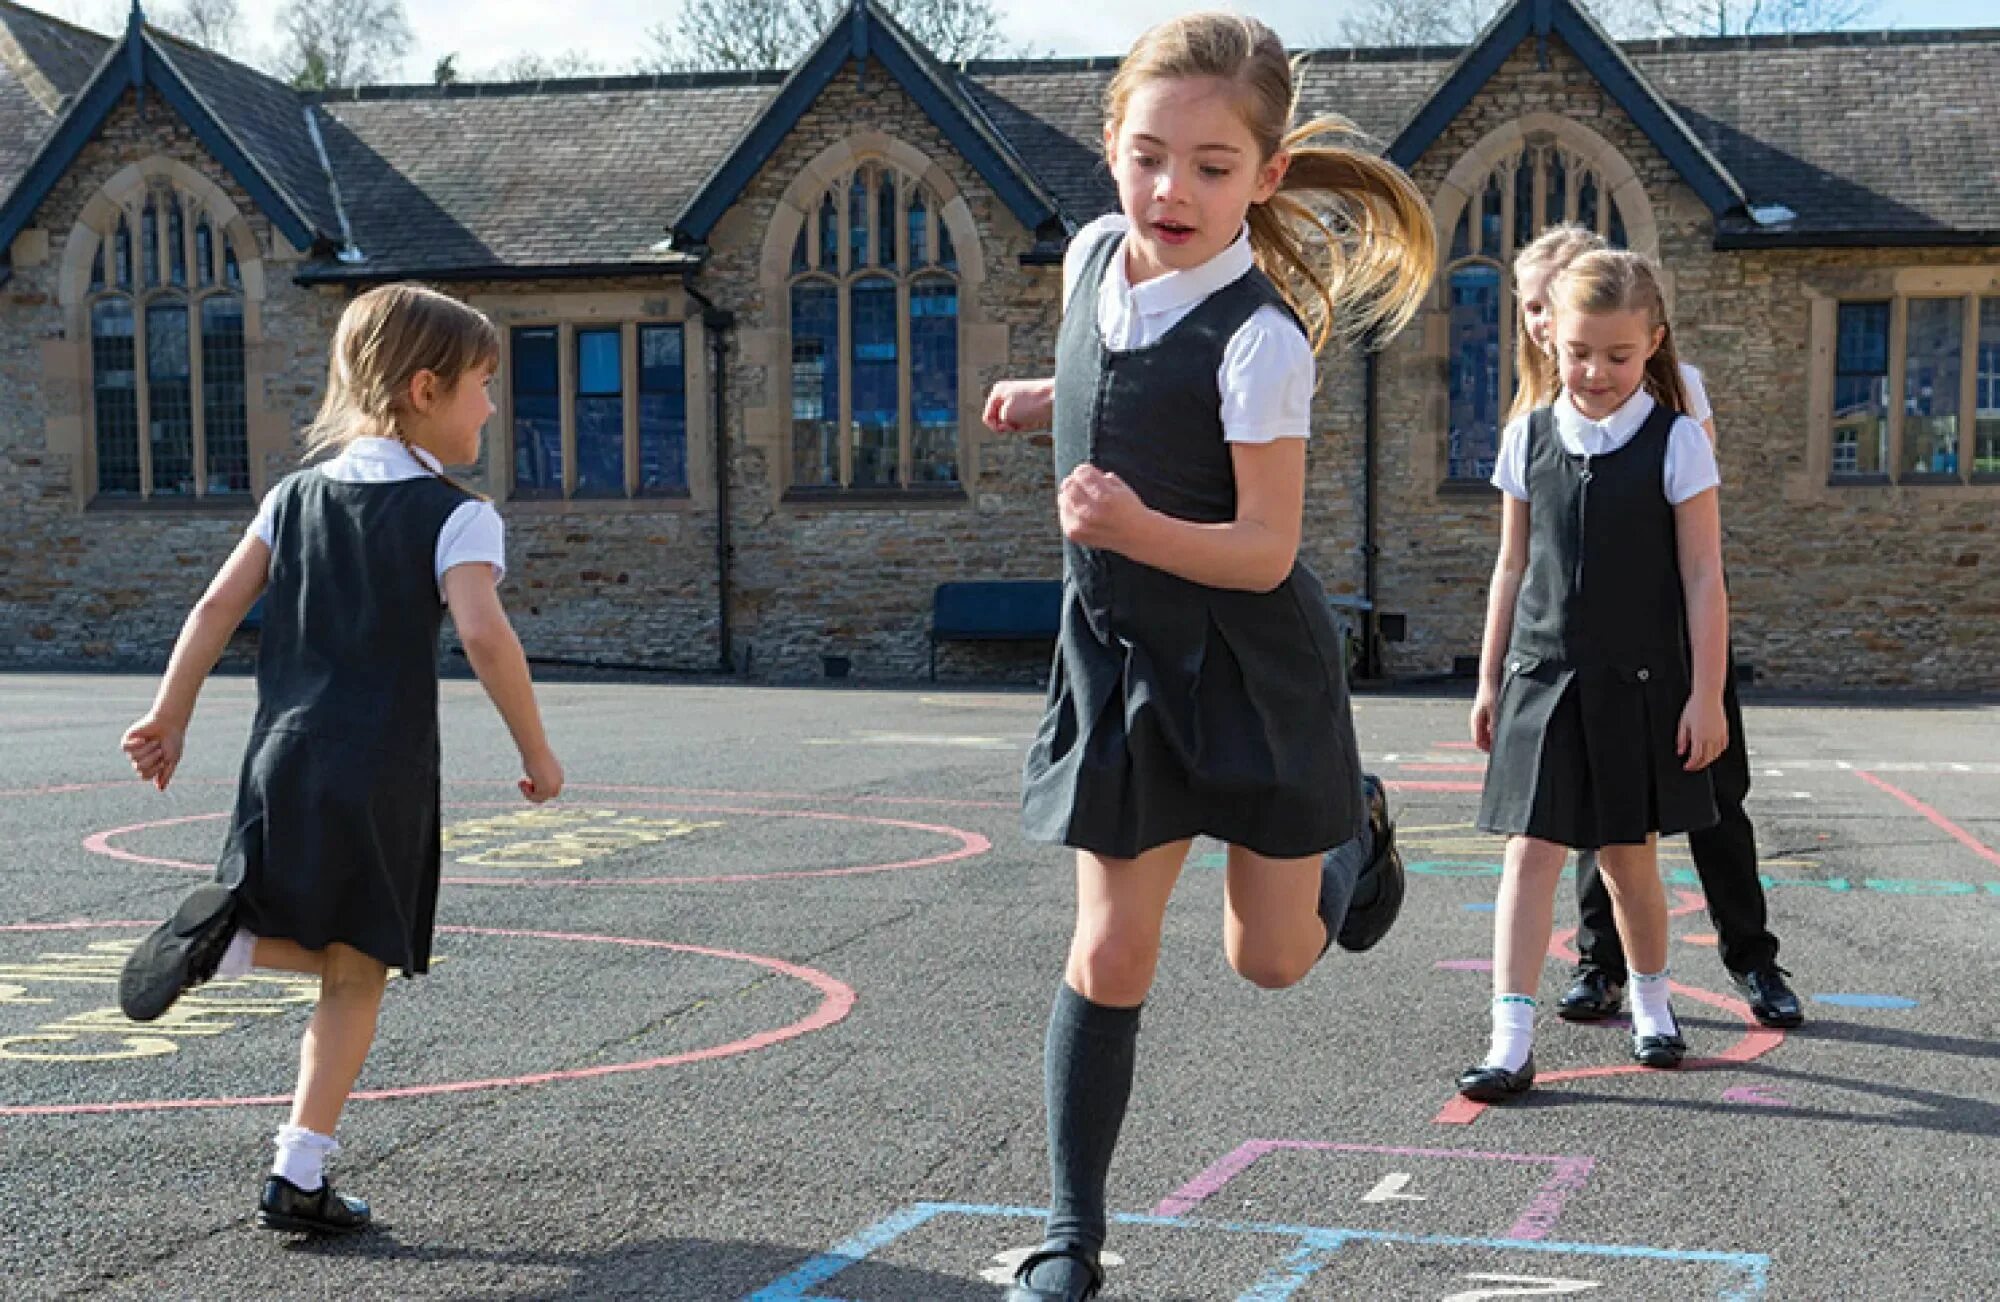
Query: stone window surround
69	359
1618	183
1816	481
982	344
568	312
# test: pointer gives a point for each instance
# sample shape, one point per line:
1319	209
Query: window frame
568	358
804	265
1899	297
165	207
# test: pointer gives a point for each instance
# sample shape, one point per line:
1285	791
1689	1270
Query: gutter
718	322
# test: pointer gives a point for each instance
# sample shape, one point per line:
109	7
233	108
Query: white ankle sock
302	1156
1651	1014
238	959
1513	1031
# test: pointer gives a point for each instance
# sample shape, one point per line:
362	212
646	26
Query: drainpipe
1371	666
716	323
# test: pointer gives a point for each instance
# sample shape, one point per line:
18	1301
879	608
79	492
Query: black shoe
1772	1002
285	1206
1378	895
1023	1291
1592	997
1496	1084
1661	1051
181	953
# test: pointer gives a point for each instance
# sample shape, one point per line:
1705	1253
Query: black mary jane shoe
177	955
1496	1084
1660	1051
1378	895
1772	1001
1592	997
1023	1291
285	1206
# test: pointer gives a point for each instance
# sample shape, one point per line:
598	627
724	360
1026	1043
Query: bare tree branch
777	33
212	24
329	43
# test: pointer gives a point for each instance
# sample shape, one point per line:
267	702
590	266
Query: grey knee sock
1088	1079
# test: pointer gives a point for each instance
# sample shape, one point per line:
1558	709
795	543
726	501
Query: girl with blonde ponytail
331	863
1199	685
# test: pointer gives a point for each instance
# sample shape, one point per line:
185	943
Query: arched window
1541	180
874	298
165	311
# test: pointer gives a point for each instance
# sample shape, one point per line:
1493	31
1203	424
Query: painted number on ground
1522	1286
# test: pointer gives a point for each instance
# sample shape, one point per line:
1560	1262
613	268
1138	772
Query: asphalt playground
755	1012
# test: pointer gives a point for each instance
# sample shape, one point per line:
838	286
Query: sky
612	31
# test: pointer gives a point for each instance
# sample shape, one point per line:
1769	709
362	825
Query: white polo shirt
472	533
1266	376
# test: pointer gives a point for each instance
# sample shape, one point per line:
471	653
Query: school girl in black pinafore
1177	709
337	826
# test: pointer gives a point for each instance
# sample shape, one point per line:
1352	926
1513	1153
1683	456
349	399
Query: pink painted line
1951	829
970	845
1456	745
1757	1039
1464	965
836	1003
1445	768
1462	788
1568	1175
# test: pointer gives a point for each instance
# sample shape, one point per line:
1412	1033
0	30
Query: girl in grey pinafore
1177	709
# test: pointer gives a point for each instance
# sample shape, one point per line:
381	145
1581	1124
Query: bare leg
1638	902
1524	916
287	956
1271	928
338	1038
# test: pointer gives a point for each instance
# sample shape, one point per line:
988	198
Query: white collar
1178	290
1613	430
392	452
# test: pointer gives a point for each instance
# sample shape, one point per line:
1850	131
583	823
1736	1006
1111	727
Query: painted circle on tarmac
967	844
1865	1001
835	1002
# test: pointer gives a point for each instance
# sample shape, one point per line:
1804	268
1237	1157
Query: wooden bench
995	610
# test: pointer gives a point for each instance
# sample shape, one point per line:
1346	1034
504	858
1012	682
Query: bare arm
154	743
1015	405
1509	568
496	656
1253	553
1698	543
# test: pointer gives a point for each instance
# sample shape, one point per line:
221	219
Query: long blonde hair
1535	382
384	338
1359	266
1618	280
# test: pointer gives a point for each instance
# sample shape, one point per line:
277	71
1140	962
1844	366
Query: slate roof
1866	137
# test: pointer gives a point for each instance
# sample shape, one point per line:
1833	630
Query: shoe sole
1589	1014
1381	913
157	972
1496	1095
1779	1023
294	1225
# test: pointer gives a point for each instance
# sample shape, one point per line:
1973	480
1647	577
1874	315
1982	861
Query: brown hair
1360	269
1618	280
1535	370
384	338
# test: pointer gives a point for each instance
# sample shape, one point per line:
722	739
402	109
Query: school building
749	320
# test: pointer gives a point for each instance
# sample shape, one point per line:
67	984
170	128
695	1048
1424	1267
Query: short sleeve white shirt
1697	394
1267	373
1690	462
473	533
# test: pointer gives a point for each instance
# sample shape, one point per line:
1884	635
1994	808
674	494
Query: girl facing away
1199	684
1603	663
332	860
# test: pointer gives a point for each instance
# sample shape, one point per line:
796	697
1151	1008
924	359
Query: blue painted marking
1865	1001
1314	1247
1479	907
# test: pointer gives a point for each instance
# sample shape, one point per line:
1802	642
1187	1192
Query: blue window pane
1861	390
149	243
1586	203
857	222
885	220
600	415
204	252
1524	201
1489	218
176	246
815	384
1986	391
934	382
1558	189
169	400
829	234
223	411
537	402
947	255
875	386
919	245
115	388
662	409
122	254
1475	371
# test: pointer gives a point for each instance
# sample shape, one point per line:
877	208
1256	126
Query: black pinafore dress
1597	674
1176	709
337	824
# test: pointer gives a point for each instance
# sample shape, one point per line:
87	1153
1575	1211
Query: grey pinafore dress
1584	747
1177	709
336	830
